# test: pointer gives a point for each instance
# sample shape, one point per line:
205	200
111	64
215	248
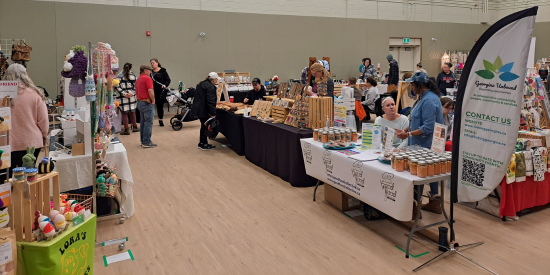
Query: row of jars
422	164
325	135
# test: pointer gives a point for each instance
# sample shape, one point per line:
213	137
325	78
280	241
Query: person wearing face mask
257	93
448	107
445	79
425	112
392	119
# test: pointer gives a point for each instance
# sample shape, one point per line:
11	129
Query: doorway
407	52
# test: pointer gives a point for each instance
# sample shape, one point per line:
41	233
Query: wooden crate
23	208
319	109
279	112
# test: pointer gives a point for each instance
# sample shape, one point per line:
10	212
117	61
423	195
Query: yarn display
80	63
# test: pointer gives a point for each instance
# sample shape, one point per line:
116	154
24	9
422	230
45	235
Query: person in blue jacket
425	112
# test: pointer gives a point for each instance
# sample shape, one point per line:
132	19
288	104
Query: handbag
21	51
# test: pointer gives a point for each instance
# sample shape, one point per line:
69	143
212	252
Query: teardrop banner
488	105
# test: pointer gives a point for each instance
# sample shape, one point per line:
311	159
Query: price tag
78	220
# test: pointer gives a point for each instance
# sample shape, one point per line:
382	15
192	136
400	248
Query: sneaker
207	147
200	145
149	145
161	123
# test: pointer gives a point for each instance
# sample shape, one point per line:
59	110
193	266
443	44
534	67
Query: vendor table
372	182
231	126
75	172
276	149
518	196
72	252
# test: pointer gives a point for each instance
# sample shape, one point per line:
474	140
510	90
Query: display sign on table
372	134
439	138
9	89
389	134
487	114
339	116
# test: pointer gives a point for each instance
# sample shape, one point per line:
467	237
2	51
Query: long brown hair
156	60
126	70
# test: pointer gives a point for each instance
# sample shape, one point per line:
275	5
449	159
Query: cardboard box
340	200
79	149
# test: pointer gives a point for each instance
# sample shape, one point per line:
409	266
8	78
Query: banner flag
488	105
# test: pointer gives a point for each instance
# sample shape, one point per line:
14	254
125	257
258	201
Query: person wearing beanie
257	93
146	105
204	106
393	77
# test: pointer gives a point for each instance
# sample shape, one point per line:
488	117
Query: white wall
464	11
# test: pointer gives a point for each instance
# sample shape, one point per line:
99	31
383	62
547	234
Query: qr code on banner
473	172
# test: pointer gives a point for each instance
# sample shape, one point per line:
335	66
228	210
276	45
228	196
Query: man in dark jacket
393	77
257	93
204	106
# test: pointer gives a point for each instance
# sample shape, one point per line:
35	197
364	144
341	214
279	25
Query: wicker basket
84	200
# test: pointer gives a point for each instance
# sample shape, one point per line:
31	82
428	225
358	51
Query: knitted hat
389	57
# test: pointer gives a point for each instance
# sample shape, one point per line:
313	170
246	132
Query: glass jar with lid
443	164
337	135
422	171
437	167
405	162
413	166
449	164
348	135
399	164
316	134
430	164
354	136
331	136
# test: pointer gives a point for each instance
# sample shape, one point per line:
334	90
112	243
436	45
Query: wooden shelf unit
237	75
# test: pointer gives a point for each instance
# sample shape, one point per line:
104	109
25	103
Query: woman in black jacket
204	106
161	81
445	79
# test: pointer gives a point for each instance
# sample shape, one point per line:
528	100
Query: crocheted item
77	87
29	158
79	63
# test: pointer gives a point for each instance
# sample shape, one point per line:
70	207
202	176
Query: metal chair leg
315	190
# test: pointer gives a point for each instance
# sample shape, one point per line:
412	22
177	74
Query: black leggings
203	137
160	108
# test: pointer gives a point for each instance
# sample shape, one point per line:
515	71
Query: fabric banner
372	182
488	106
70	253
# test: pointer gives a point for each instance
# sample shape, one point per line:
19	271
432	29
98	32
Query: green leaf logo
496	68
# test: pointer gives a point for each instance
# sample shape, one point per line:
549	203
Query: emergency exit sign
406	40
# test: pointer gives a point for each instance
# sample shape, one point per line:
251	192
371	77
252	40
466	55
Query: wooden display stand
279	113
237	75
402	90
319	109
23	208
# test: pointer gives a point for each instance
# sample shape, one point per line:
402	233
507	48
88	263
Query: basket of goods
106	178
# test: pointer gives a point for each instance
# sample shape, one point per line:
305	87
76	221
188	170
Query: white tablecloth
75	172
372	182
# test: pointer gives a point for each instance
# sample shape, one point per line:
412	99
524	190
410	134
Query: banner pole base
453	249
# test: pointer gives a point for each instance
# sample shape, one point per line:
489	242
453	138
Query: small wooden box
279	112
319	109
22	208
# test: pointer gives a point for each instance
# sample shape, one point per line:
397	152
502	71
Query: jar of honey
331	136
437	167
324	137
413	166
354	135
430	165
337	135
422	171
316	134
443	165
449	164
399	164
348	135
406	162
393	160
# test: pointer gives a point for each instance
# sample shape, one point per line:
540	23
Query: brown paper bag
8	249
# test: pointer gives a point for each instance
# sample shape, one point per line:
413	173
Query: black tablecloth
276	148
231	126
238	97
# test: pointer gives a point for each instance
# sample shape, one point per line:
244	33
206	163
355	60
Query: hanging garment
511	171
528	162
454	61
538	164
444	59
520	167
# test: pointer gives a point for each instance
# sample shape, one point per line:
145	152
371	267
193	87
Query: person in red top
146	105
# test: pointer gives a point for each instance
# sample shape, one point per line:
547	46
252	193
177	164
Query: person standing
257	93
146	105
448	107
127	98
368	70
393	77
321	75
371	95
445	79
29	117
161	81
359	111
425	112
204	106
419	68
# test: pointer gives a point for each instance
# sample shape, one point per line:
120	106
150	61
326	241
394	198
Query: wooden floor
213	212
